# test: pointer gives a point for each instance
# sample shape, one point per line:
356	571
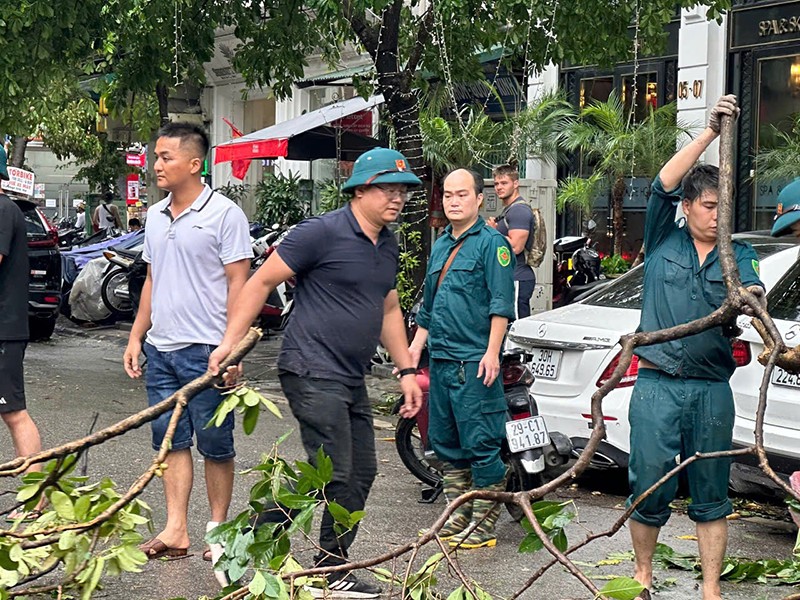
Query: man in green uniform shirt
468	301
682	403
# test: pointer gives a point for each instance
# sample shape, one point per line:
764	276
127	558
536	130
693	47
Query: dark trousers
524	291
337	418
672	417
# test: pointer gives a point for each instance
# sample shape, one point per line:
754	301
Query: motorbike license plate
782	377
545	362
526	434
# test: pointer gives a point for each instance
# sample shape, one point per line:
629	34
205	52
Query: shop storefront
655	85
764	71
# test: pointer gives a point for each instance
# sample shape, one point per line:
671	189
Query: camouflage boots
479	533
456	482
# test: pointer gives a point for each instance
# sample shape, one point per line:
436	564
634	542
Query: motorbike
115	289
576	267
531	452
275	313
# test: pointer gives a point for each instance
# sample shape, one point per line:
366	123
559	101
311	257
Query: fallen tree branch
19	465
178	401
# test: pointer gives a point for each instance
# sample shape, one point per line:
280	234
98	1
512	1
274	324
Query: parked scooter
529	449
576	267
276	311
115	288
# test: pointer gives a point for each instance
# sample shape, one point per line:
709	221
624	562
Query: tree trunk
18	151
618	223
162	94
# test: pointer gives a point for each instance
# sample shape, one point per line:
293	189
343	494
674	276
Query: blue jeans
167	372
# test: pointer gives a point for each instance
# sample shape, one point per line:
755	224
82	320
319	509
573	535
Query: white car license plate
526	434
782	377
545	363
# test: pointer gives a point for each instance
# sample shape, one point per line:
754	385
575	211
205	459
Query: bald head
474	177
462	198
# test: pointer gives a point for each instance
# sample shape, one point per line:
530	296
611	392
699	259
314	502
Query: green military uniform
467	418
686	405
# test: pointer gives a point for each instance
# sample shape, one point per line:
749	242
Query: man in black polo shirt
345	302
14	273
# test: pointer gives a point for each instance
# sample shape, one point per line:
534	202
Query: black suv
44	289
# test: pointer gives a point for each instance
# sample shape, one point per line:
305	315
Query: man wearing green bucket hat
345	262
787	215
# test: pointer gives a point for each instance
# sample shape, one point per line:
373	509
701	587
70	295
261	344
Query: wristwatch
408	371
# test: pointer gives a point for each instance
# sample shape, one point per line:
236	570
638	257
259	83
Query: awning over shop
307	137
335	78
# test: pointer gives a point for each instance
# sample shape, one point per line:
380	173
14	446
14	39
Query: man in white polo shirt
197	246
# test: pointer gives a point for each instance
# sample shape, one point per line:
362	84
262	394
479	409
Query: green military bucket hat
381	165
788	211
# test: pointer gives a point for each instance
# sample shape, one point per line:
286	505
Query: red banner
360	123
238	167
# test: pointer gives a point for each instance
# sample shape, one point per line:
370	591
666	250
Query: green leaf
66	540
459	594
324	465
271	406
339	513
250	397
63	505
27	492
82	506
621	588
6	562
250	419
531	543
291	500
258	584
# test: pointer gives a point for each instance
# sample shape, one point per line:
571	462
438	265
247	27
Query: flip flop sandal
25	517
207	555
644	595
155	549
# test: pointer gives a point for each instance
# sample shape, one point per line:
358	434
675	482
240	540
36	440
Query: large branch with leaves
81	515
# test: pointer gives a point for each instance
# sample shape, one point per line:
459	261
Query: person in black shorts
14	272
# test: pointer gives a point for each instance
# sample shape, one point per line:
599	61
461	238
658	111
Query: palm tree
447	145
615	148
779	159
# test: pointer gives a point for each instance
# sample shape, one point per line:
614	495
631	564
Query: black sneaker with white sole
347	586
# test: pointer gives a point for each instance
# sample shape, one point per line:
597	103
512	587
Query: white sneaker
216	553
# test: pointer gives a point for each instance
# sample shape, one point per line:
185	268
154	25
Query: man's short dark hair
188	133
477	179
509	171
134	222
699	180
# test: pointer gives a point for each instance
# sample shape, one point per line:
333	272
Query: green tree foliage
778	160
411	43
102	170
151	47
278	200
613	147
86	556
41	42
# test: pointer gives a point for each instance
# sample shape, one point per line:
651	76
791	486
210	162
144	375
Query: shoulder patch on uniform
503	256
754	262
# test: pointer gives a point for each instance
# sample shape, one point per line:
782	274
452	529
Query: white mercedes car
782	419
574	349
